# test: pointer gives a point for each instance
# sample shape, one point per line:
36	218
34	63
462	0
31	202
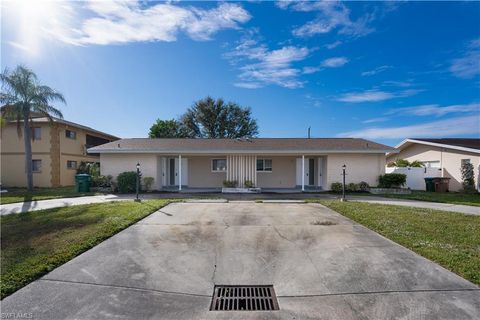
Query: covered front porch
272	173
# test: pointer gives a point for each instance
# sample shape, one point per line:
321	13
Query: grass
34	243
448	197
450	239
22	195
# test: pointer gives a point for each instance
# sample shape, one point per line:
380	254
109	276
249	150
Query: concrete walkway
471	210
266	197
21	207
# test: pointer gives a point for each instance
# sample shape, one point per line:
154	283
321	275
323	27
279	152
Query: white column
303	172
179	172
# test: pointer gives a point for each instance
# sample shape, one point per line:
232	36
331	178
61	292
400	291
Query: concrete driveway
165	267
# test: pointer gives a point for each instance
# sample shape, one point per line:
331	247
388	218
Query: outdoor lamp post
138	182
344	167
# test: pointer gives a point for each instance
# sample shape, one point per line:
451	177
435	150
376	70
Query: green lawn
22	195
450	239
35	243
448	197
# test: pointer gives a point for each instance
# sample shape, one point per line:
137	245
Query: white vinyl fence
415	176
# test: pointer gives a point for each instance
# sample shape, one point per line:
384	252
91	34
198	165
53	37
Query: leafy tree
210	118
168	129
22	96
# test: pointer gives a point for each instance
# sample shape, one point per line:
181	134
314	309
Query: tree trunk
27	137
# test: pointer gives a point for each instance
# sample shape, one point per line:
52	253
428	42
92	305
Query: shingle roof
459	142
257	145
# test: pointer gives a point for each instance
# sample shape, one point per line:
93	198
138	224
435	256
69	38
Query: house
58	148
268	163
445	154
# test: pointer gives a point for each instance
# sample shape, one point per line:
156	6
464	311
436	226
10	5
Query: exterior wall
283	173
450	161
360	167
54	149
200	173
114	164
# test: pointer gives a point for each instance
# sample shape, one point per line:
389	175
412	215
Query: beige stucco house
268	163
57	149
445	154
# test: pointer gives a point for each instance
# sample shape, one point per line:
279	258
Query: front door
311	171
171	171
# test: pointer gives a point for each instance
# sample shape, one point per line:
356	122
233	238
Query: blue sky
382	71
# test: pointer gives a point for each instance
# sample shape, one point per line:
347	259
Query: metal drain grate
243	298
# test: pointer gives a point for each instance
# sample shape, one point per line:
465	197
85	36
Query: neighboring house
57	150
445	154
269	163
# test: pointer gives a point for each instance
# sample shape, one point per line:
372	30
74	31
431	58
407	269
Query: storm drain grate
243	298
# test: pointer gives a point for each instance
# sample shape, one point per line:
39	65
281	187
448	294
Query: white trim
179	172
241	152
434	144
303	172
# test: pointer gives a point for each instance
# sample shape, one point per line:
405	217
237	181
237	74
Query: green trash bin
82	182
429	184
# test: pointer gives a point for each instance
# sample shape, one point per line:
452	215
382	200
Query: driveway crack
299	247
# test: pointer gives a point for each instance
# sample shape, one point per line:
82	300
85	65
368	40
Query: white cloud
443	128
375	71
334	62
333	44
467	66
260	66
437	110
310	70
330	16
118	22
373	120
375	95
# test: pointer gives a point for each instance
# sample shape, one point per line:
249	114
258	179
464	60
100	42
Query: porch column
179	172
303	172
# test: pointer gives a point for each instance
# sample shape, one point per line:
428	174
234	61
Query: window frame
462	161
69	137
33	133
264	167
39	168
217	159
72	168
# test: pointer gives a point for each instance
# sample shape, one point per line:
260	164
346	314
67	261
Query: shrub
392	180
352	187
249	184
336	187
230	184
363	186
101	181
468	177
127	182
148	182
402	163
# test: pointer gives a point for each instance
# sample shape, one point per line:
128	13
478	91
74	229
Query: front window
36	165
264	165
70	134
71	164
37	133
465	161
219	165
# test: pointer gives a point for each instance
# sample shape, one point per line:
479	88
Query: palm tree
23	96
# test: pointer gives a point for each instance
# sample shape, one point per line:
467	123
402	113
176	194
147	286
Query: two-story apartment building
57	150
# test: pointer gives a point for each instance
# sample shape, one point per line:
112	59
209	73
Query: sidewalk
64	202
21	207
471	210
